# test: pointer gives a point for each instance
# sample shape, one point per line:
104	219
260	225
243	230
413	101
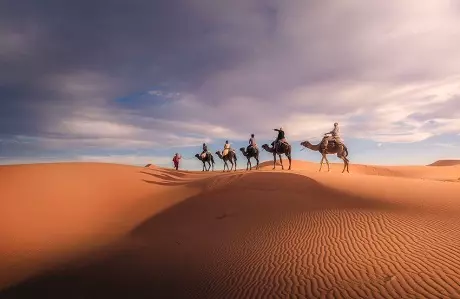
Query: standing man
176	160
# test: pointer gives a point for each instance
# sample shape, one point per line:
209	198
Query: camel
209	159
231	157
282	148
332	149
254	153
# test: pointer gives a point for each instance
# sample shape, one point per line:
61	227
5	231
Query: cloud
138	160
128	159
96	128
166	95
197	71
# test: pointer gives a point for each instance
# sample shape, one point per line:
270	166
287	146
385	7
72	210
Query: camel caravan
331	144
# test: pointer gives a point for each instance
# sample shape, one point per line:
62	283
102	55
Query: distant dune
95	230
445	163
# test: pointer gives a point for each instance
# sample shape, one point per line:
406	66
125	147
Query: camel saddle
280	143
251	149
226	151
332	144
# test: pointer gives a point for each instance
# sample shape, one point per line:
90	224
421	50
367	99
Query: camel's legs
281	162
344	164
274	160
257	159
321	163
289	158
235	163
327	162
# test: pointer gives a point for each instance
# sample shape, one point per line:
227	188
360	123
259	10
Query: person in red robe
176	160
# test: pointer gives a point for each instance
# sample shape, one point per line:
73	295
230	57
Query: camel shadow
182	251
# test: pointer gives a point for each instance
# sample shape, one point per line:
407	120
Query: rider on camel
335	135
252	144
226	148
205	151
280	138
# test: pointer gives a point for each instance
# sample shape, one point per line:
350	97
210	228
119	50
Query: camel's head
218	153
198	156
243	149
305	143
266	147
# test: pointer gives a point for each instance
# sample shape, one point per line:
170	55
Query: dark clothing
280	134
251	149
205	150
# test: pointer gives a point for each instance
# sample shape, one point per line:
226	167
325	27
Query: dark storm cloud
140	43
238	66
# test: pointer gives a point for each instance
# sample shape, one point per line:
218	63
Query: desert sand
94	230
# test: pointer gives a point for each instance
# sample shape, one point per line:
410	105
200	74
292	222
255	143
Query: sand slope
102	230
449	172
445	163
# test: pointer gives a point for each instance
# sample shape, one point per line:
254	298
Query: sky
136	81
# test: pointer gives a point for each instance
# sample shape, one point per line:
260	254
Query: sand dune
445	173
102	230
445	163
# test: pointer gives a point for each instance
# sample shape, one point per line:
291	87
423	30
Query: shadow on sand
178	253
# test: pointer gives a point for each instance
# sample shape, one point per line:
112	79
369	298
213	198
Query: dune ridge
445	163
445	173
255	234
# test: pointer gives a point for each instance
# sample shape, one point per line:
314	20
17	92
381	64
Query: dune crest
446	173
106	230
445	163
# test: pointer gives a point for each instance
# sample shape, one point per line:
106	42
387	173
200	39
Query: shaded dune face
445	163
269	235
